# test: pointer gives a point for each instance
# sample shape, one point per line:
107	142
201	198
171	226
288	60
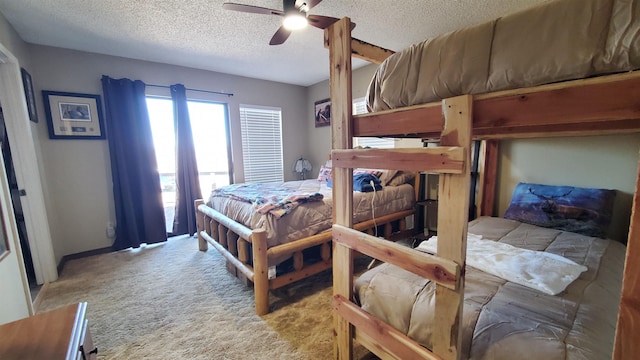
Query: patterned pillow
401	177
581	210
387	177
324	175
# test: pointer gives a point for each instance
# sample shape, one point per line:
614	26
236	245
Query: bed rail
602	105
249	258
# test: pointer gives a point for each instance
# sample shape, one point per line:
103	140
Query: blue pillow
362	183
581	210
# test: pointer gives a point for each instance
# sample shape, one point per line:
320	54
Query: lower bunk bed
504	319
274	234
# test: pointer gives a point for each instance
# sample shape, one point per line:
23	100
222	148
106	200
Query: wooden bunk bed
249	256
602	105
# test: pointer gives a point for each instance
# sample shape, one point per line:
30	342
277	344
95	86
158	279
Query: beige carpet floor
171	301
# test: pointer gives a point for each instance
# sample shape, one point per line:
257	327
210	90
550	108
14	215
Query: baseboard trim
82	255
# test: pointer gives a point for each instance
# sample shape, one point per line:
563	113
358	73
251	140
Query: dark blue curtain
136	184
187	181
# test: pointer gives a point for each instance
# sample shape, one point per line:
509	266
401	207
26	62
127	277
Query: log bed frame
249	259
602	105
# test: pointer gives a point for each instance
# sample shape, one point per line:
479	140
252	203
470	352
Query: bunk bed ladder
452	160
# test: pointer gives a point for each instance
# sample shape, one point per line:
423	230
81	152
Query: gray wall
12	41
80	198
320	138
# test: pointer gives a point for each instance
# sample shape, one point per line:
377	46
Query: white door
26	167
15	302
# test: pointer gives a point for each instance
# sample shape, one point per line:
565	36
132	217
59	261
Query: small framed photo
322	111
29	95
73	116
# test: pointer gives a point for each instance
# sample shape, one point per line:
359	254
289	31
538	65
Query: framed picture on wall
29	95
322	111
73	116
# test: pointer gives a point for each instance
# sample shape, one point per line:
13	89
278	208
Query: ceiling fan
296	16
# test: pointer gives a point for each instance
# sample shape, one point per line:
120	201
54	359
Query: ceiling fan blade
280	36
323	22
251	9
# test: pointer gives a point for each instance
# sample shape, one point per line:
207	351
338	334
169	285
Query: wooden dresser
58	334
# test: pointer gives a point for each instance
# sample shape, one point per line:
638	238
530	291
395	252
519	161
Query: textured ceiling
200	34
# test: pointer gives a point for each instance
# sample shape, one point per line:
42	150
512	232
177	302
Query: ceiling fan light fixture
295	21
295	14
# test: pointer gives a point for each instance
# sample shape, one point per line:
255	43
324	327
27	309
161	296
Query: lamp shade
301	165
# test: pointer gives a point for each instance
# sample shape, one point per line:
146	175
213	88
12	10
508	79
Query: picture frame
73	115
29	95
322	112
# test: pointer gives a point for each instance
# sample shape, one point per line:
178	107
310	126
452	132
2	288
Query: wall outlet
111	230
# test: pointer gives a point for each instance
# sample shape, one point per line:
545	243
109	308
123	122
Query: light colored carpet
171	301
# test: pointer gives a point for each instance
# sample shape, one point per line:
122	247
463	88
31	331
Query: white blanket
547	272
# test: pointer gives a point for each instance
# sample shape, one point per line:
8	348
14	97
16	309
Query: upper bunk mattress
555	41
502	319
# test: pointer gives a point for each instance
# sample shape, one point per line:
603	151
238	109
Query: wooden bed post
488	176
338	37
626	344
202	243
260	271
453	202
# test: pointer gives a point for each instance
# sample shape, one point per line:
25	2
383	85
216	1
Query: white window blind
360	107
261	129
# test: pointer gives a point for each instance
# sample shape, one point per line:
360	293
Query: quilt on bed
310	217
556	41
278	199
504	320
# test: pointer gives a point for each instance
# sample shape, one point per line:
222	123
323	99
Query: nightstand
58	334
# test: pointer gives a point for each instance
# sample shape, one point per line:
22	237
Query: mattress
313	217
504	320
555	41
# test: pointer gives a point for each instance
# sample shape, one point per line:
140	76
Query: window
161	118
261	129
360	107
209	126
